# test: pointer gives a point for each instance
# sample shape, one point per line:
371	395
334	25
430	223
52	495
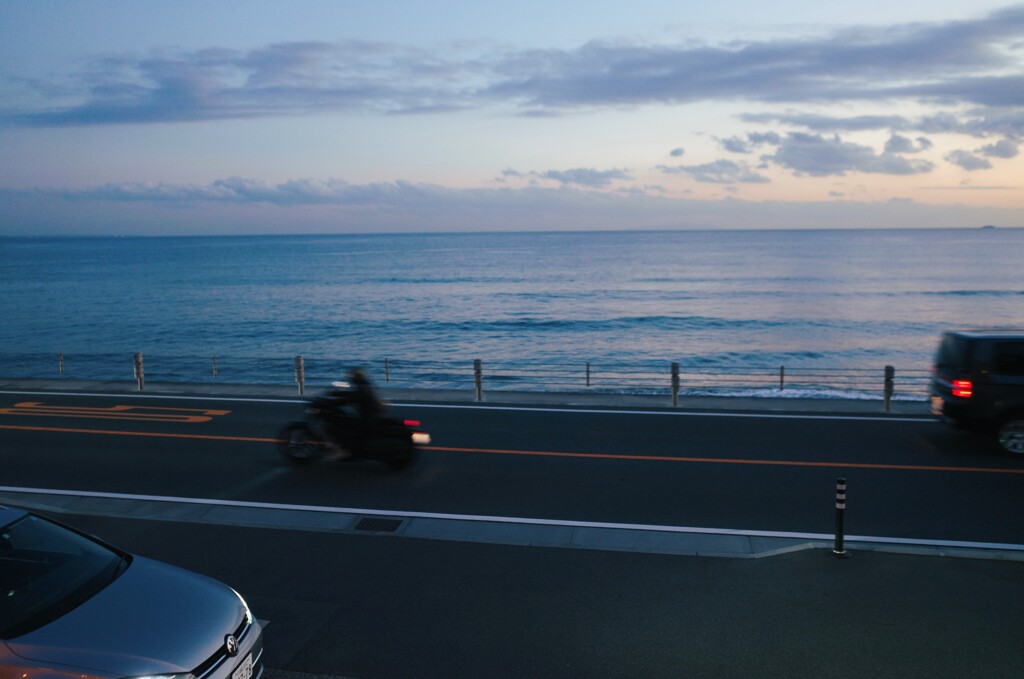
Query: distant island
988	226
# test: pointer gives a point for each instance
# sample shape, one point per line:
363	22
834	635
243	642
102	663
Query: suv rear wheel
1010	434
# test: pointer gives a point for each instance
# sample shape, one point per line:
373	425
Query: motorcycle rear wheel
402	457
295	443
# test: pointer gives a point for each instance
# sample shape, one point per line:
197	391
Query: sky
150	117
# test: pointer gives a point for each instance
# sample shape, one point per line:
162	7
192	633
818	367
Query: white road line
671	413
514	520
529	409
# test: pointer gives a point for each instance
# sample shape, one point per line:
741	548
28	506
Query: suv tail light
963	388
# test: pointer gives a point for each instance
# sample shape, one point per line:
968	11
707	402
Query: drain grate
379	525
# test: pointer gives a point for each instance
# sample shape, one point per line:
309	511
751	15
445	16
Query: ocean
535	308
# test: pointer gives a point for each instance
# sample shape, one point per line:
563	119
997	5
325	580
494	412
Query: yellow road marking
135	413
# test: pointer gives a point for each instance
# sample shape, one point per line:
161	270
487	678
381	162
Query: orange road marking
541	453
136	413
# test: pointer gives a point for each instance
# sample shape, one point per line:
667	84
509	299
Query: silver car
72	606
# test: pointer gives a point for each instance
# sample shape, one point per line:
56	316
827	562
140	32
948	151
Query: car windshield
47	570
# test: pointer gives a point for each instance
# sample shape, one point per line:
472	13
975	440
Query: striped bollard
839	551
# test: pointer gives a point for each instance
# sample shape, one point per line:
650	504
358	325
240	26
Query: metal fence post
215	366
839	551
139	372
675	384
588	373
782	378
387	371
60	361
300	374
478	378
890	374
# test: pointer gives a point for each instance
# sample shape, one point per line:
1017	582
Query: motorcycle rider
363	396
368	407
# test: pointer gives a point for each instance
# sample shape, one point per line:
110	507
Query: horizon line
309	234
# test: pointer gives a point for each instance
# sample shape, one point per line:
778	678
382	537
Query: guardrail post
782	378
60	361
839	551
140	376
215	366
478	378
387	371
890	374
675	384
588	373
300	374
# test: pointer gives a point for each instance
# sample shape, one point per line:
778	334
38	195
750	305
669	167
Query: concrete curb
490	530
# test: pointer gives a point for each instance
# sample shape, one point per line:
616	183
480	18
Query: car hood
155	618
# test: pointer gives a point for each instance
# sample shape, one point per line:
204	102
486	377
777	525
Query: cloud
718	172
237	190
974	62
308	192
819	156
736	145
958	60
287	79
968	161
900	144
750	143
979	122
1004	148
677	152
582	176
244	206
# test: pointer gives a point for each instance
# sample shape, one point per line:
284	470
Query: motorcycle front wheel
296	443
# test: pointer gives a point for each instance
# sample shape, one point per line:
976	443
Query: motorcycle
331	426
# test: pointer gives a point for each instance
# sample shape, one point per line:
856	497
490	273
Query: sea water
717	300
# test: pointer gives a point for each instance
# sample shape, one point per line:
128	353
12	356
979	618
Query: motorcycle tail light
412	423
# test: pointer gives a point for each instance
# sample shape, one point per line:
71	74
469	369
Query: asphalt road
908	477
345	603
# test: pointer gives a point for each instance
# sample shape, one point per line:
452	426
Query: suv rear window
1008	358
952	353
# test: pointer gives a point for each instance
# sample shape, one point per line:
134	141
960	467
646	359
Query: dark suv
978	382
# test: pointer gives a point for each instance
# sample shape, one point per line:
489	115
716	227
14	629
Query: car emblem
231	645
